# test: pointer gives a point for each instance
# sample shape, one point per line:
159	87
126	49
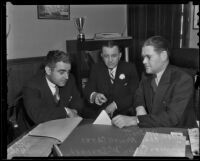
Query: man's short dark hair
159	43
55	56
111	44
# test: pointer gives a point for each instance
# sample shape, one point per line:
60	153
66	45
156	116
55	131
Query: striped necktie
111	73
56	94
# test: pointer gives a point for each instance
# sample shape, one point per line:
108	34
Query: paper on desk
103	119
162	145
59	129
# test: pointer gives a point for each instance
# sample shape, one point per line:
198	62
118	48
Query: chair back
188	60
22	119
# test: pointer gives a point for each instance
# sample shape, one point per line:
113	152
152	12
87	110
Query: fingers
118	121
100	99
72	113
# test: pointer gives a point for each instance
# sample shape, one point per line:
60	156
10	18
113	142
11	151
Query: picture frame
195	17
57	12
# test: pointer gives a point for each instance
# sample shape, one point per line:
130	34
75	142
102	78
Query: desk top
93	140
103	140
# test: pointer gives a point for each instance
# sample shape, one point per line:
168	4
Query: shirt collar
113	69
159	75
51	85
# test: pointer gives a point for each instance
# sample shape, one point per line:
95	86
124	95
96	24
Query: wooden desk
30	146
111	141
100	140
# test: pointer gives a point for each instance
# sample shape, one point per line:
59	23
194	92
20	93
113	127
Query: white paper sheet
161	145
59	129
103	119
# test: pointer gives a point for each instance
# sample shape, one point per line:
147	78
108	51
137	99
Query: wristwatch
137	121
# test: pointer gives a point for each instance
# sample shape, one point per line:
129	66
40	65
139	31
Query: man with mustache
112	83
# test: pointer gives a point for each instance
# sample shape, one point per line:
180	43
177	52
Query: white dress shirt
52	86
159	75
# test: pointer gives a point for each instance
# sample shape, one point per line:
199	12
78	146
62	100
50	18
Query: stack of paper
162	145
59	129
194	140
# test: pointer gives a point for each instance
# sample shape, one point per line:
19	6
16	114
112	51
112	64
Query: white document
103	119
194	140
161	145
59	129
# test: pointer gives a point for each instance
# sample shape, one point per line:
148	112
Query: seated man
112	83
52	93
165	94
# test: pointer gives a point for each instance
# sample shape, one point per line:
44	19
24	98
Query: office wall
32	37
194	38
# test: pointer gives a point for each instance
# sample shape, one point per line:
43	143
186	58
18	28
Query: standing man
112	83
165	94
52	93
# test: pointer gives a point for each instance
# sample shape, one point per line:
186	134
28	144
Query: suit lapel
149	94
162	86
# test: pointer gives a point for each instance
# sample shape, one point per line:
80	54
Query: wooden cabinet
78	50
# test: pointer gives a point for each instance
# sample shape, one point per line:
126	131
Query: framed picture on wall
58	12
195	17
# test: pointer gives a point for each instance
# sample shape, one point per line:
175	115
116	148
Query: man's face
153	61
111	56
60	74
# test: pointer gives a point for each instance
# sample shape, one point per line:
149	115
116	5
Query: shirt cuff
67	111
115	104
92	98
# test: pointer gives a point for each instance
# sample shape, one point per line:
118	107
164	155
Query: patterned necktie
112	77
56	94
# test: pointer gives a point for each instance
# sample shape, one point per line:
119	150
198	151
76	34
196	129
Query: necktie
112	77
154	86
56	94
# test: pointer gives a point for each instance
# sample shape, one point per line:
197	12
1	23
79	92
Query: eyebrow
63	70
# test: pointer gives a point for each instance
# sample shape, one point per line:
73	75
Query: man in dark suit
165	94
52	93
112	83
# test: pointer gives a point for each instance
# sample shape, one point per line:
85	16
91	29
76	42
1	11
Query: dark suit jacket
121	91
173	101
39	103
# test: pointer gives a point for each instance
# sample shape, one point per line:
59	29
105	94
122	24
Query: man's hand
71	112
100	99
122	121
111	108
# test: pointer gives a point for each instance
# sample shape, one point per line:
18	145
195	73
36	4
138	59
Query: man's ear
120	54
47	70
164	55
